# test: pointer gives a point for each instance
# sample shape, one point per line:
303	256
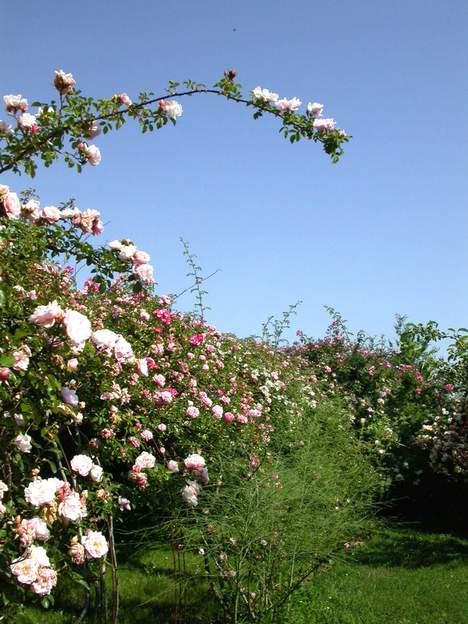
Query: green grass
402	576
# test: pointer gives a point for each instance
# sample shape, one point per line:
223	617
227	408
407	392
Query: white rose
81	464
145	460
96	473
23	443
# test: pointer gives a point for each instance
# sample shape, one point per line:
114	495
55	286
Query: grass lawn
401	576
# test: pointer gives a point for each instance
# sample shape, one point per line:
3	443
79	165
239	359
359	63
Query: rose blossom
77	327
173	466
124	99
194	462
5	128
69	396
124	504
95	544
23	443
144	272
73	507
51	214
92	154
32	529
96	473
21	359
171	109
142	367
46	580
63	82
11	205
141	257
123	350
26	121
89	221
314	109
228	417
217	411
160	380
193	411
81	464
146	435
42	491
145	460
46	315
25	569
324	125
14	103
288	106
72	365
190	493
76	552
263	96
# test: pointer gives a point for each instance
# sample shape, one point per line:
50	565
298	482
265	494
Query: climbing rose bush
64	127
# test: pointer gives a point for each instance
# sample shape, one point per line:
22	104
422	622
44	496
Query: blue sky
382	232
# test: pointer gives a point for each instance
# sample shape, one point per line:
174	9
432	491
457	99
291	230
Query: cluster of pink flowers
33	568
261	96
126	250
88	221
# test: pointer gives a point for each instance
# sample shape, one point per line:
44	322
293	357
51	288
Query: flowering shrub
113	404
408	404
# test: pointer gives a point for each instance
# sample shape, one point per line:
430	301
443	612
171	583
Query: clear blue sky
384	231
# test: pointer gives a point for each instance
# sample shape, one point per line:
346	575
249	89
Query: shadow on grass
412	549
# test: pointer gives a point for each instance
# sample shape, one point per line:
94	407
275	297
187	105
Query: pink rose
42	491
288	106
195	462
228	417
77	552
95	544
72	507
77	327
217	411
92	154
144	272
146	435
324	125
11	205
141	257
51	214
193	411
124	99
46	580
142	367
21	359
46	315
